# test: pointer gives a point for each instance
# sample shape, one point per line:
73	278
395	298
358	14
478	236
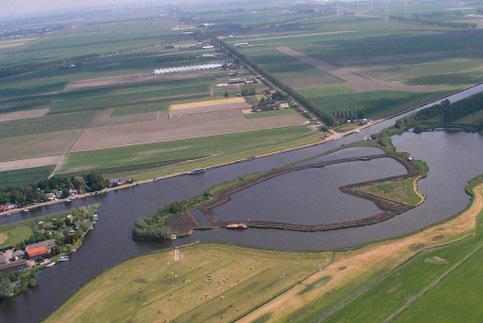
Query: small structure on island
40	249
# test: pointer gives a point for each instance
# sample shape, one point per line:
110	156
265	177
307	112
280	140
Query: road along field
183	109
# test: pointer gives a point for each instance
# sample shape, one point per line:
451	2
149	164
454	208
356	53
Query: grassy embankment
213	282
159	159
210	282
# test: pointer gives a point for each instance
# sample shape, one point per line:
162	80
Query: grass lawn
209	283
23	177
399	191
472	119
13	233
152	160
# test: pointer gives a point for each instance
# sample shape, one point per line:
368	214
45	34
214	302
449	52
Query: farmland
109	101
376	66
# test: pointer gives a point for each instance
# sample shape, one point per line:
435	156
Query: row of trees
324	117
344	115
436	23
27	195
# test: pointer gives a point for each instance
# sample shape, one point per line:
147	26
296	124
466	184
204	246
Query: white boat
50	264
64	258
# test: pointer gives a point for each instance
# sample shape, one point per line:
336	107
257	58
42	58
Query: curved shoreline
389	208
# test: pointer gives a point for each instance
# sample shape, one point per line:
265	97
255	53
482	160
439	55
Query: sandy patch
189	126
385	256
26	114
184	109
131	79
30	163
15	42
351	77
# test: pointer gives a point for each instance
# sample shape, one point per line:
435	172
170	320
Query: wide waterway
453	159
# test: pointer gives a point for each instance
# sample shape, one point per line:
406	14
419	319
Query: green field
400	191
145	161
211	282
24	177
13	233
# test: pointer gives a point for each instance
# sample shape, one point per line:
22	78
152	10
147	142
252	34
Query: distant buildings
185	69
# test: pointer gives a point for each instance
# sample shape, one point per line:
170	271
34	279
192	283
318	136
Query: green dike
158	159
23	177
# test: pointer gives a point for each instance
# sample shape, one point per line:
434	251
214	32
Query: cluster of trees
157	227
443	115
16	282
344	115
27	195
429	22
62	229
324	117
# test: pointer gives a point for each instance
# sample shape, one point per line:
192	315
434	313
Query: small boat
64	258
51	264
197	171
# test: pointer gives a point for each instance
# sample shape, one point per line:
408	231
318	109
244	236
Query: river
453	159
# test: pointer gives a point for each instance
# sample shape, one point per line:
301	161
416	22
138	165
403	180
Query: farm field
209	283
379	67
24	177
157	159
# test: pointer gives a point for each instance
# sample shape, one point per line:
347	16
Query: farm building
14	266
39	249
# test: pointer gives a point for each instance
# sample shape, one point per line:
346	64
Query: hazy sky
29	7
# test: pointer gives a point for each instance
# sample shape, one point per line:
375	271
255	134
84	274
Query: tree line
324	117
344	115
443	115
429	22
30	194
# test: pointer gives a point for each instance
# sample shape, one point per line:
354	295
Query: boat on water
51	264
197	171
64	258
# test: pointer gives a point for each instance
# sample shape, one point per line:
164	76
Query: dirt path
382	256
356	80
